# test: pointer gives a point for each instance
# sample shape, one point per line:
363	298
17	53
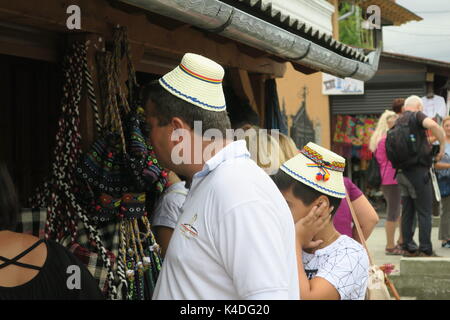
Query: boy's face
298	208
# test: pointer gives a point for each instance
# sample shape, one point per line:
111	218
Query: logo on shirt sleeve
188	229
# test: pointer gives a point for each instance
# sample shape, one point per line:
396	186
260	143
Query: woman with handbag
389	185
368	217
443	175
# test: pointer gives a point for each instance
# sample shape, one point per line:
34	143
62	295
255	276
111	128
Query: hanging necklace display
57	194
119	171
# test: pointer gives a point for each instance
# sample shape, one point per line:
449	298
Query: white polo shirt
235	238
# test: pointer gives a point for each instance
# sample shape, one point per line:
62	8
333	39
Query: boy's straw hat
318	168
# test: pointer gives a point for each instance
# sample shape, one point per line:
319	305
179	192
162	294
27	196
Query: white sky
429	38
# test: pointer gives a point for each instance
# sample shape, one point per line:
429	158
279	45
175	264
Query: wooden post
335	19
258	82
241	83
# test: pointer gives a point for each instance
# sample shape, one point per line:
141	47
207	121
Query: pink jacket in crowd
386	171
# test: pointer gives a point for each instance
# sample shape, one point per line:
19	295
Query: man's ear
322	198
180	130
178	123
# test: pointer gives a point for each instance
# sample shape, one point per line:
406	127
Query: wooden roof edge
399	13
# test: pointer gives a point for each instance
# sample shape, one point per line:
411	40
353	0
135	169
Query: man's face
160	137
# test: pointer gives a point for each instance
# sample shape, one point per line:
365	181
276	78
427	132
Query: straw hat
197	80
318	168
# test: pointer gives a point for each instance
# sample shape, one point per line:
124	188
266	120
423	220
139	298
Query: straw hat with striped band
318	168
197	80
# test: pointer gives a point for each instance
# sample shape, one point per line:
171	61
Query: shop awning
260	26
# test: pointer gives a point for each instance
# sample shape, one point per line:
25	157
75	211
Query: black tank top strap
19	264
14	260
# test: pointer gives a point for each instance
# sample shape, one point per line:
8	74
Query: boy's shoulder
343	245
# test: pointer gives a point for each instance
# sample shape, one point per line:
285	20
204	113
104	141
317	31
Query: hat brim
298	169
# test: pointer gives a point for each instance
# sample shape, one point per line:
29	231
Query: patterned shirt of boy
344	264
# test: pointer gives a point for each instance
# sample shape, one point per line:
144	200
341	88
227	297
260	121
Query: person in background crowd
434	106
264	149
235	238
287	146
389	186
331	266
397	105
367	216
168	210
33	269
415	181
443	174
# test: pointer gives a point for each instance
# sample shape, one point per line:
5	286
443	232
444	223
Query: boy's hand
307	227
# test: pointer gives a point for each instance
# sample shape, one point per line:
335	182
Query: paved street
377	243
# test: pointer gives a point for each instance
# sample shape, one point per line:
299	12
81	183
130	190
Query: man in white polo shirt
235	238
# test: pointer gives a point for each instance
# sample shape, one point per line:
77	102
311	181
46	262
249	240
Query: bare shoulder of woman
19	242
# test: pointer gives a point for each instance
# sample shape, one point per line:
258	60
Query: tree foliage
350	30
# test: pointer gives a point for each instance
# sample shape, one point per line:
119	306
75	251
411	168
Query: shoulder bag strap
358	229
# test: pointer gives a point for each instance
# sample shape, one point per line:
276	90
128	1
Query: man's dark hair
397	105
168	106
239	110
301	191
9	203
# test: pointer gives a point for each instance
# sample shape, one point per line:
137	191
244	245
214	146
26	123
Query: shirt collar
236	149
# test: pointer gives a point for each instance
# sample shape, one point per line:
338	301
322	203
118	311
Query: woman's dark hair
301	191
397	105
169	106
9	203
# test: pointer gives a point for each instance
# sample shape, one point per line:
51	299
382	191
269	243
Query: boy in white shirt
331	266
168	210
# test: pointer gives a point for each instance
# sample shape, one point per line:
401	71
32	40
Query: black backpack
406	146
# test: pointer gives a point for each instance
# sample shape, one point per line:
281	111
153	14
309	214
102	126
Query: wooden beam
29	43
258	82
241	84
439	71
157	63
335	19
99	17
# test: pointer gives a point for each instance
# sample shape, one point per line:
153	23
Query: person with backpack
388	184
410	152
